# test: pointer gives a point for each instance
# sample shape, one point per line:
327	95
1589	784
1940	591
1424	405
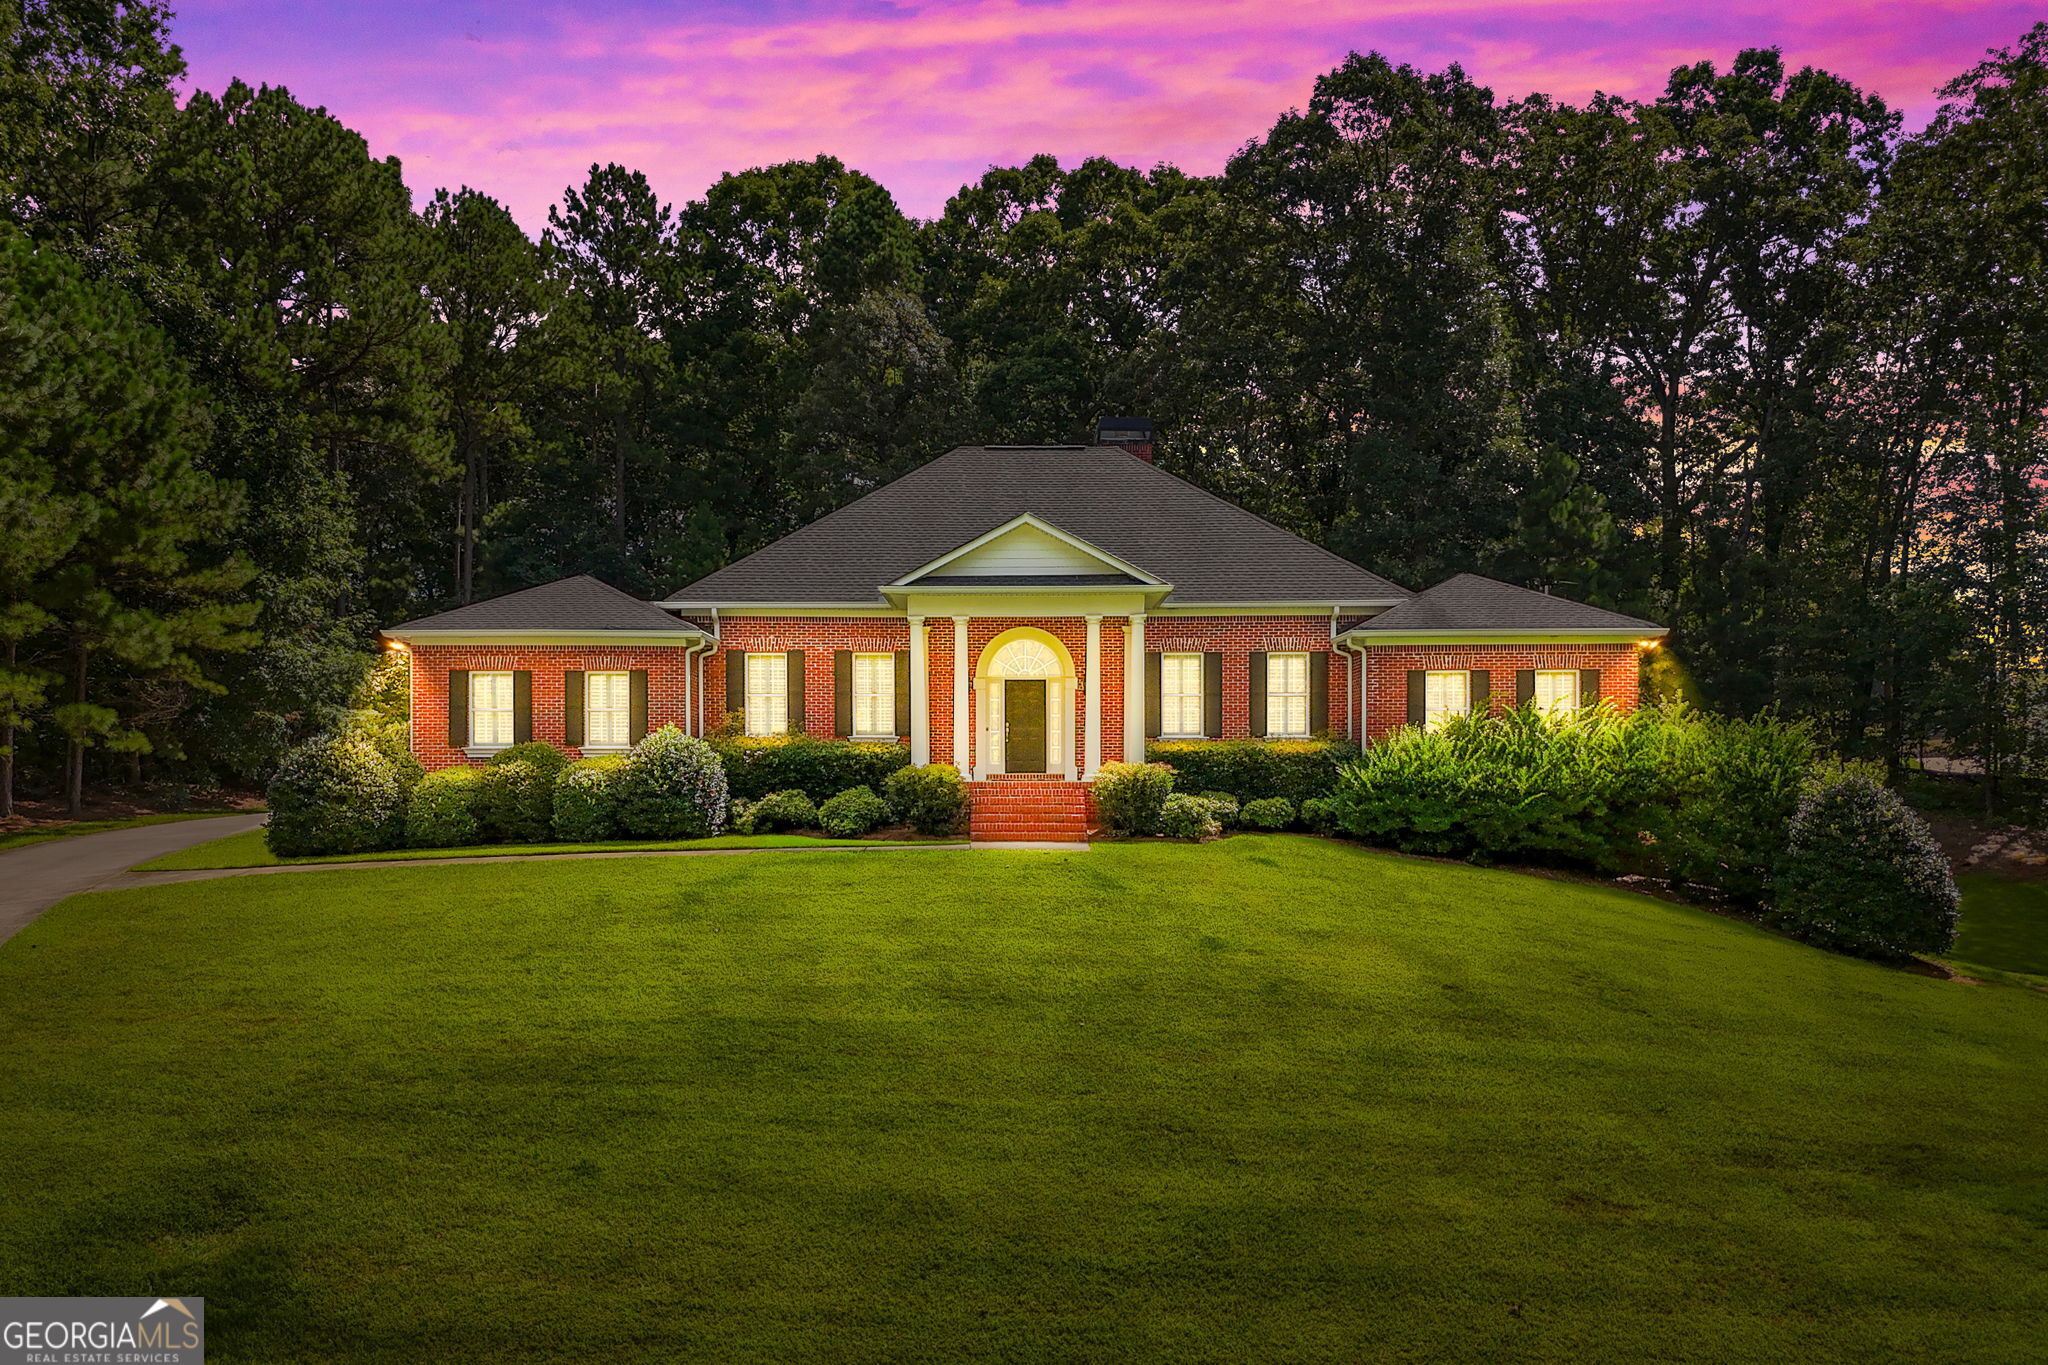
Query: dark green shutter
1257	694
794	661
1212	695
1525	686
736	686
572	708
458	708
522	706
1319	692
1152	707
1589	687
636	721
842	692
1480	691
902	693
1418	697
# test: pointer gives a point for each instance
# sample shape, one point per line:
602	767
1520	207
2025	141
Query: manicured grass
1267	1099
25	838
249	850
2005	924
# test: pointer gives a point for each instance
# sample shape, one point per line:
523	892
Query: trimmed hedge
780	812
1131	796
672	788
1863	874
853	813
1255	769
336	794
931	799
441	812
820	768
587	799
515	802
1273	812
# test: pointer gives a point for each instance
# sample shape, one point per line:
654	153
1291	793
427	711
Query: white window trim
756	727
1431	718
1556	708
481	748
1200	667
1273	695
886	703
625	712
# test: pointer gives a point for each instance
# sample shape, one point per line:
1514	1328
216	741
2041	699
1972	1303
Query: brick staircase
1028	806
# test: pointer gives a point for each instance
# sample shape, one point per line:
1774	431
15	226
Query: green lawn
249	850
24	838
2005	924
1271	1099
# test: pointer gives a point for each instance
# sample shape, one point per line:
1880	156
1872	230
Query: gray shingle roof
1469	602
579	603
1209	549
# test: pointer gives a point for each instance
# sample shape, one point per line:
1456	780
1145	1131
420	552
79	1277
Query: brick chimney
1134	434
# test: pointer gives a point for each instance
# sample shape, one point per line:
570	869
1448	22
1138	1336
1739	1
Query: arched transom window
1025	659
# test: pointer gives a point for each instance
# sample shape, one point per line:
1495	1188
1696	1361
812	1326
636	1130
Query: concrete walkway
35	878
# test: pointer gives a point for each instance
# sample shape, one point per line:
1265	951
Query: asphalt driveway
35	878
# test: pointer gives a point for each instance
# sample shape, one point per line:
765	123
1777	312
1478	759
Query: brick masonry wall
819	637
547	663
1386	676
1237	638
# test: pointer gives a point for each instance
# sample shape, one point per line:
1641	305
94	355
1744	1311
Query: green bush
1130	796
441	813
779	812
1274	812
853	813
1224	806
1863	874
515	797
1320	814
1189	817
931	799
1731	789
673	787
756	766
1255	769
336	794
587	799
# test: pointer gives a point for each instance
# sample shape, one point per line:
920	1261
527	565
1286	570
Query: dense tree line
1748	357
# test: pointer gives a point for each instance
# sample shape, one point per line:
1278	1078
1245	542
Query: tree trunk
74	766
7	746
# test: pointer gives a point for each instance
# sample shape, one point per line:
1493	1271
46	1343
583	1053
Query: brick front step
1028	808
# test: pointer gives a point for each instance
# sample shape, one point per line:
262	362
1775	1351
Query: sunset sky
519	99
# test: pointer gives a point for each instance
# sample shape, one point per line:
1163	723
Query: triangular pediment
1027	547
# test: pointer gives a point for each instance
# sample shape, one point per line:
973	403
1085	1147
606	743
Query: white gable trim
1109	561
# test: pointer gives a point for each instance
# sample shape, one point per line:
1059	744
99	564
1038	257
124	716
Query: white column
962	679
1091	707
1134	691
920	697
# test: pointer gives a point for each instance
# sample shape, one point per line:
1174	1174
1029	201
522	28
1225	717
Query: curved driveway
35	878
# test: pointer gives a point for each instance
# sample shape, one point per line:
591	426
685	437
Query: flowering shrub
1189	817
1863	874
336	794
673	787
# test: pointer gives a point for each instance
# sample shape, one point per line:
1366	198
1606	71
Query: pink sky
519	100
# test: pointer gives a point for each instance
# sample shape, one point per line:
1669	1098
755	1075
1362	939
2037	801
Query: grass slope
2005	924
1269	1099
27	837
249	850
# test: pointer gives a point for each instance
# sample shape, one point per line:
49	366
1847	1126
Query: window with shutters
607	710
1557	691
490	710
1447	695
1180	696
767	694
1287	695
874	696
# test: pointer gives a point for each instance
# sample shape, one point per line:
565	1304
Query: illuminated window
490	710
1557	691
767	694
874	696
1447	695
1180	696
1287	695
607	710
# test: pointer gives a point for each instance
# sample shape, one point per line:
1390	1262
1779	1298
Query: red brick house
1012	610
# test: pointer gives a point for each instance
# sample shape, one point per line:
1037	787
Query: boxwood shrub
758	765
587	799
853	813
1863	874
441	812
1255	769
1273	812
672	787
1131	796
780	812
336	794
1319	813
931	799
1189	817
